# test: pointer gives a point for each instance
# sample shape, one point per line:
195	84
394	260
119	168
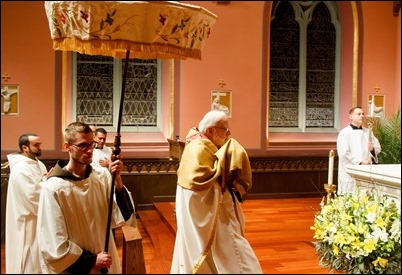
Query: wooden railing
133	261
176	148
155	180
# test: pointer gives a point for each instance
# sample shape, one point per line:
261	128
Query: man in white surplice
73	210
102	153
354	147
213	176
24	185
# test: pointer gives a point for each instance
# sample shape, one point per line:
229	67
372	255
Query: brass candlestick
330	189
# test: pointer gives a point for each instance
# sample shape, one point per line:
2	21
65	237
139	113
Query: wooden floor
277	229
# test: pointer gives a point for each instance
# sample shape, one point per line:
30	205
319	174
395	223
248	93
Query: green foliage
388	132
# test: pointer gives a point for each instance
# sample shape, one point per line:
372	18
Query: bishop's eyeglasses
227	129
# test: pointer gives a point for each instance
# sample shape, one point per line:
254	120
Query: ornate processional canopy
160	29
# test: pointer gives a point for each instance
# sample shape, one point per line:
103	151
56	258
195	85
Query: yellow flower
356	244
335	250
381	261
380	222
369	245
371	209
345	217
361	228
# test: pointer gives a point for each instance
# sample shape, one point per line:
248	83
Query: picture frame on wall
222	100
9	99
378	108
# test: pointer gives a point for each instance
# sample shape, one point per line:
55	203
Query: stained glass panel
96	87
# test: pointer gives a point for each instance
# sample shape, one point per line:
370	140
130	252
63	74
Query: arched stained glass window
304	72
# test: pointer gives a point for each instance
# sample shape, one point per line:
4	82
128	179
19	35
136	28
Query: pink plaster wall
233	53
27	56
381	53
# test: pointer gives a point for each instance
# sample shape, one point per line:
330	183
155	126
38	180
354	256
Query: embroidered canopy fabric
160	29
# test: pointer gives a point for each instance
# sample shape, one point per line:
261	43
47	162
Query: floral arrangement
359	233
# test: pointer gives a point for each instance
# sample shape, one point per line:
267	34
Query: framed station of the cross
9	99
222	100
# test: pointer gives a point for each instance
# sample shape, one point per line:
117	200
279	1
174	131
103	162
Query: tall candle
372	106
331	167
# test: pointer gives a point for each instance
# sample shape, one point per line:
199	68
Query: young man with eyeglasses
73	210
24	185
213	177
